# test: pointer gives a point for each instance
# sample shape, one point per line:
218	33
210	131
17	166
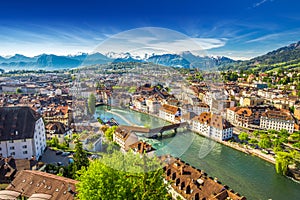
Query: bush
243	136
296	145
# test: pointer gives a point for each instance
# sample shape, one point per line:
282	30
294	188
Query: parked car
58	152
66	154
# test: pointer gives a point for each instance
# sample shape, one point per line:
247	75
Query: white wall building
22	133
212	126
277	120
124	138
170	113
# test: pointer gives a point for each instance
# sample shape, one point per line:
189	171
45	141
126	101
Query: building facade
22	133
170	113
277	120
212	126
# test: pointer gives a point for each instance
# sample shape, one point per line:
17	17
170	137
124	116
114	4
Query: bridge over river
154	132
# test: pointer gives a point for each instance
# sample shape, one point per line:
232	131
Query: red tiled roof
31	182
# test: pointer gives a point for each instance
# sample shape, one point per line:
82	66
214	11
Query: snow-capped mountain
51	61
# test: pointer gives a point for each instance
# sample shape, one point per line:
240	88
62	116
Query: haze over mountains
287	54
51	61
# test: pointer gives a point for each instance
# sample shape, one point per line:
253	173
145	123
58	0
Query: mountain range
288	56
51	61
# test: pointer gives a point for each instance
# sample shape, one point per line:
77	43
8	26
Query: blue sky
235	28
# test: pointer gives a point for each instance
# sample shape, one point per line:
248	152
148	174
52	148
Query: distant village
248	112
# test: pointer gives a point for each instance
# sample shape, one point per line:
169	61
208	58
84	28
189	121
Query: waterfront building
189	183
170	113
248	117
124	138
22	133
213	126
277	120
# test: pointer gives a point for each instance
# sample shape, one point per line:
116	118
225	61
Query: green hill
287	57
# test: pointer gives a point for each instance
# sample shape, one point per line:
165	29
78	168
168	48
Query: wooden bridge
154	132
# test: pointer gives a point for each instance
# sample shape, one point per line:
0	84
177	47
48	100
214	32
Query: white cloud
260	3
291	34
157	40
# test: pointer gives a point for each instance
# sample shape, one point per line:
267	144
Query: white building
153	105
200	108
277	120
22	133
212	126
170	113
124	138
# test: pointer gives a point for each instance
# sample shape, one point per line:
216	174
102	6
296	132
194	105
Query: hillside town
49	115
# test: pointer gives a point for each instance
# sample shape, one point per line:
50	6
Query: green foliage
243	136
277	149
256	133
122	176
230	76
283	159
296	145
19	91
132	89
92	104
265	143
283	133
109	133
295	137
80	158
253	141
276	143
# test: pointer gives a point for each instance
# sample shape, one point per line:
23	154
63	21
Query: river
246	174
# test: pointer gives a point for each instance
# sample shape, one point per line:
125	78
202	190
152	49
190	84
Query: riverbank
245	173
234	145
245	149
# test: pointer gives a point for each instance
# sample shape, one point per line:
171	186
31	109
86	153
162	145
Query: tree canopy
109	133
92	104
122	176
80	158
243	136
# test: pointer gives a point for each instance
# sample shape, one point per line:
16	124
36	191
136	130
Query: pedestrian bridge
154	132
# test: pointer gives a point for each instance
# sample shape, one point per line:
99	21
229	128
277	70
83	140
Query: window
12	153
11	148
24	146
0	149
24	140
11	141
25	152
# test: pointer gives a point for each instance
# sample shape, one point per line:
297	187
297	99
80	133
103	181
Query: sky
239	29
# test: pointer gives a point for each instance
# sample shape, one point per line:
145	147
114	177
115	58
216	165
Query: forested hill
287	57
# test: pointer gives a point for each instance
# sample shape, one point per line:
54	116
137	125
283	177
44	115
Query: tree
80	158
253	141
92	104
265	143
283	159
243	136
18	91
122	176
109	133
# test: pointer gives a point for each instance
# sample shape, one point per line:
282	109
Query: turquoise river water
246	174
